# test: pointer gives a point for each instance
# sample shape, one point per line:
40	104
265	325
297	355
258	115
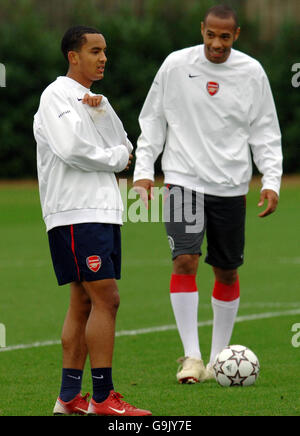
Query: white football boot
209	372
191	370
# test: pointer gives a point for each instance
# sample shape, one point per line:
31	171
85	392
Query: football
236	365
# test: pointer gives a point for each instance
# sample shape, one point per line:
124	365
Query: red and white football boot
78	406
114	406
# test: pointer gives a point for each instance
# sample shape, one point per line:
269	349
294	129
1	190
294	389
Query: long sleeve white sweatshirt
78	151
206	118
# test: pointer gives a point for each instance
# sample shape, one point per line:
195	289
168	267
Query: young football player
81	143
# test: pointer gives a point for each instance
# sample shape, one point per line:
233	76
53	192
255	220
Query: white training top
206	118
79	149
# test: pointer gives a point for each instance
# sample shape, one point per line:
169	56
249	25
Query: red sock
226	292
183	283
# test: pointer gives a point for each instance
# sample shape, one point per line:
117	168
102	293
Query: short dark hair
222	11
74	38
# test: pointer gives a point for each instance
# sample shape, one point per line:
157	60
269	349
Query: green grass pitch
32	308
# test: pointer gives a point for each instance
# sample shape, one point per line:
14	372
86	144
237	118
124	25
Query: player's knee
68	341
115	301
104	294
227	277
111	300
186	264
85	310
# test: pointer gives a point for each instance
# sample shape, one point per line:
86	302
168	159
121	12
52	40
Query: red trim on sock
226	292
183	283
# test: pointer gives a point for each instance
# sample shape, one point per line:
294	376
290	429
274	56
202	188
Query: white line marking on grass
22	263
164	262
163	328
263	305
41	263
27	346
290	260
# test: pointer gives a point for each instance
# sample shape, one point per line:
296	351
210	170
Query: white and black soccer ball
236	365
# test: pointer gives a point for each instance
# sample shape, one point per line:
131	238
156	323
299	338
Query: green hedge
29	48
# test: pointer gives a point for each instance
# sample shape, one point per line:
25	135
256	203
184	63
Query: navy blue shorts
86	252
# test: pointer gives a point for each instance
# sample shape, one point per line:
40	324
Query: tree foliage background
138	41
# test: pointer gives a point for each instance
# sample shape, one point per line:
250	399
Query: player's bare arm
144	188
272	198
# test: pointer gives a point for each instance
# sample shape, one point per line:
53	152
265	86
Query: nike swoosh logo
118	411
99	378
81	410
73	376
192	77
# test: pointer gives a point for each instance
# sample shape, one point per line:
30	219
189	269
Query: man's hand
92	100
144	188
129	161
272	198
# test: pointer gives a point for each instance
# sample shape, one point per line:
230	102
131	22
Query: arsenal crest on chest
212	88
